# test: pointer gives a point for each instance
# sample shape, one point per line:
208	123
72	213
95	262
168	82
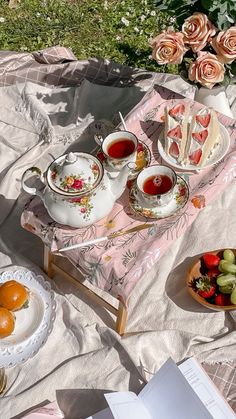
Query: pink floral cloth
117	265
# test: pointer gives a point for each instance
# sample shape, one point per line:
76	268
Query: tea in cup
120	148
156	185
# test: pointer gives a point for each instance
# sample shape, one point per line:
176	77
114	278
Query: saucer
179	200
218	153
142	160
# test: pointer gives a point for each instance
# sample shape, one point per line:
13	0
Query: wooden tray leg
121	318
121	313
47	261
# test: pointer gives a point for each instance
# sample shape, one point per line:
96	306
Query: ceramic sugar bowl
78	191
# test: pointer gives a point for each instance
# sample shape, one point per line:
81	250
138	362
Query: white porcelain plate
32	324
180	198
216	156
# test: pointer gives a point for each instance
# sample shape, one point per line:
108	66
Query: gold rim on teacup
119	162
161	198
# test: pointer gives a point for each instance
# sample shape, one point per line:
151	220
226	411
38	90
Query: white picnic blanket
83	356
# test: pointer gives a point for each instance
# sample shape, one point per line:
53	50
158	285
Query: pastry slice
204	136
176	123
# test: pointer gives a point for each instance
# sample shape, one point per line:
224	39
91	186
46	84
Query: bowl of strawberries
211	280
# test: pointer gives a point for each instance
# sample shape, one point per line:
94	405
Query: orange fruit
7	322
13	295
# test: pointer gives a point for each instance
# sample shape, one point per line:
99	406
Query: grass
112	29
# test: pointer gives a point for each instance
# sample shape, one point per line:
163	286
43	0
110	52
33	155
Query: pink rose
168	48
207	70
77	184
198	31
225	45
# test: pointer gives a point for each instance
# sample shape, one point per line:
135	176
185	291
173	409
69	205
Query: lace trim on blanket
32	111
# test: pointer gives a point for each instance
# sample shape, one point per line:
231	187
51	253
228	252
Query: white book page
103	414
126	405
206	390
168	395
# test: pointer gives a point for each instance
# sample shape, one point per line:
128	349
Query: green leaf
233	68
206	4
226	80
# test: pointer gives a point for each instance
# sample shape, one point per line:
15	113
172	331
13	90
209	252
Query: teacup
120	148
156	185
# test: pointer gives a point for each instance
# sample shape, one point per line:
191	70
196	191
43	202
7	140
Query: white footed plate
179	200
219	152
32	324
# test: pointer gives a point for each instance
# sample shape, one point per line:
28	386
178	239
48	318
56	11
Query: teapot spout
118	184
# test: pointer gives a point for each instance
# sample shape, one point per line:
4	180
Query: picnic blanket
48	101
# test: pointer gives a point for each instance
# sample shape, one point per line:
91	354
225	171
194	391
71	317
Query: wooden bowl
193	273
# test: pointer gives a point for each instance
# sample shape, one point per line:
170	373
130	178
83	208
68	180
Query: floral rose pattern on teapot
84	204
74	183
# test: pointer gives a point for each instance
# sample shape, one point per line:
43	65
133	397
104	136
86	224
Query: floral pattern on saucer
142	160
180	198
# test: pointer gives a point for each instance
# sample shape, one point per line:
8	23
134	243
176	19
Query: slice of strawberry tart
176	125
203	137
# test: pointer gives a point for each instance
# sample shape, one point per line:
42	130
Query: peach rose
207	70
168	48
225	45
198	31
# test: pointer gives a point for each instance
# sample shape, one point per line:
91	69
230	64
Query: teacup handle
38	173
98	138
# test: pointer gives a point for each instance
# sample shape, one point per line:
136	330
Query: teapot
77	191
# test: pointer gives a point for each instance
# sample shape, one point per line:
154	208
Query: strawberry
140	147
177	111
175	133
210	260
213	273
200	136
205	287
222	300
204	120
196	156
174	150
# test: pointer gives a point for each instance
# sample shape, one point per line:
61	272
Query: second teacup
120	148
156	184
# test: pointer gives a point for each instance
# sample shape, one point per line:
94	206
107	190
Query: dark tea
157	185
121	148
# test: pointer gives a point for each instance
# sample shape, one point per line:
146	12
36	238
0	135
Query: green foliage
91	28
220	12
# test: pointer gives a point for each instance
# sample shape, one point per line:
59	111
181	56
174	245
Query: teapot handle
38	173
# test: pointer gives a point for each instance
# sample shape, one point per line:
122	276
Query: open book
183	392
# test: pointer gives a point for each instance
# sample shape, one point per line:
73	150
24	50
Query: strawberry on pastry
177	111
174	150
200	136
175	133
204	120
195	156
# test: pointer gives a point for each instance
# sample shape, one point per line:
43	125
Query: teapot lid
74	173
